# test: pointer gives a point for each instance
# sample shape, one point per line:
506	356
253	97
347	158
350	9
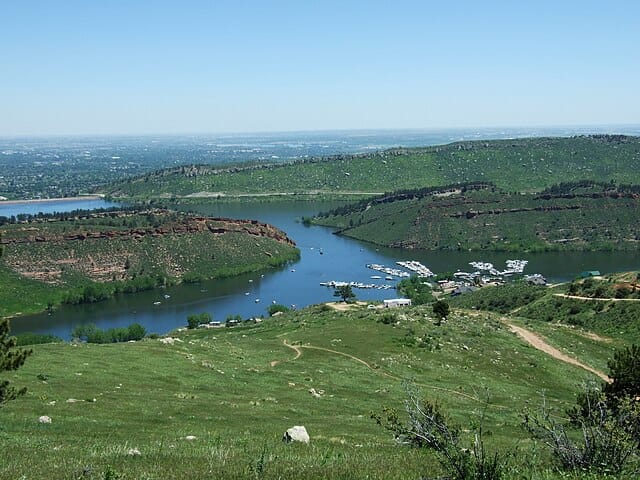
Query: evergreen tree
11	358
624	370
345	292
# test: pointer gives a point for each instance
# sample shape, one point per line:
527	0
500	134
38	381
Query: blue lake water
296	284
8	209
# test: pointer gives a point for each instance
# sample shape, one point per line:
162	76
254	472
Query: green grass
221	386
514	165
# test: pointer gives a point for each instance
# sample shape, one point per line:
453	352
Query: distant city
51	167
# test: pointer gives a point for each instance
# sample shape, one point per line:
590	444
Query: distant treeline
408	194
586	186
70	215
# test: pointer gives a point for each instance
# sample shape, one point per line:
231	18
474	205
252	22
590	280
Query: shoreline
95	196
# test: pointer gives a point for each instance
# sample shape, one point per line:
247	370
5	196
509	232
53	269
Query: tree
345	292
441	309
624	370
197	319
11	358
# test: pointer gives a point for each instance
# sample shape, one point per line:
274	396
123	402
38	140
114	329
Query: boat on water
376	277
157	303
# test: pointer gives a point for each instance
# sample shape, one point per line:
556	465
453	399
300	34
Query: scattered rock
190	437
134	452
47	419
296	433
316	393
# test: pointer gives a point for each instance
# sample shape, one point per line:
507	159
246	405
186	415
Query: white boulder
44	419
296	433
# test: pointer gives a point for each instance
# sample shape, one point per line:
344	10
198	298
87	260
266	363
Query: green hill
214	403
514	165
578	216
86	258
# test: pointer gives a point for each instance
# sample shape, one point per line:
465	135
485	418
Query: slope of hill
609	305
580	216
514	165
214	403
91	257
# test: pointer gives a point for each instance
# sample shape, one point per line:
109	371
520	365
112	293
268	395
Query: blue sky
131	67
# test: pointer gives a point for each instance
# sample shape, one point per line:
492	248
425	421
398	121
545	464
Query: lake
33	207
298	284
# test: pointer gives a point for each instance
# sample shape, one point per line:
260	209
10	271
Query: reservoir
323	257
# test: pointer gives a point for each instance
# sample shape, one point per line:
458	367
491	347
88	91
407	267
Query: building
397	302
590	273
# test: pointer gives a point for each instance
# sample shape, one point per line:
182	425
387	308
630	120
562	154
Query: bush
624	369
29	338
91	334
427	427
197	319
606	442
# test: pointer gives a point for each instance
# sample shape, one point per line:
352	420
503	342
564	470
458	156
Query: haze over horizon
222	67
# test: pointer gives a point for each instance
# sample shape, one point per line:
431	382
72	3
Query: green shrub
197	319
29	338
427	427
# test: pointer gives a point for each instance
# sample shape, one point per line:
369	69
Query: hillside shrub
606	442
29	338
425	426
197	319
90	333
11	358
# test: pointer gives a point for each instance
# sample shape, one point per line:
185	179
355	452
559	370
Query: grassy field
89	259
598	218
513	165
131	410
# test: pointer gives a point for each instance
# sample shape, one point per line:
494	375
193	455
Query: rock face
296	433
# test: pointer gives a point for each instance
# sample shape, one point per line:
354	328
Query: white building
397	302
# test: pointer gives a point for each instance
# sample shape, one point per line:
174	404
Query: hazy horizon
213	68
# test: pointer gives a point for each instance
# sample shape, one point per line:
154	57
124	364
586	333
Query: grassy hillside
88	258
215	403
609	306
514	165
578	216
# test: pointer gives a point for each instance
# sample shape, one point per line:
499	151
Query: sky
152	67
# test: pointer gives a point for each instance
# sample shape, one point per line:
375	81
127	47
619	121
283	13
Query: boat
376	277
166	295
157	303
257	300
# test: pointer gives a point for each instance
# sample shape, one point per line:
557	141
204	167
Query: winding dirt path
298	350
596	299
537	341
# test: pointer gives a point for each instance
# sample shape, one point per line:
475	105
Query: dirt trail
536	341
298	351
596	299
